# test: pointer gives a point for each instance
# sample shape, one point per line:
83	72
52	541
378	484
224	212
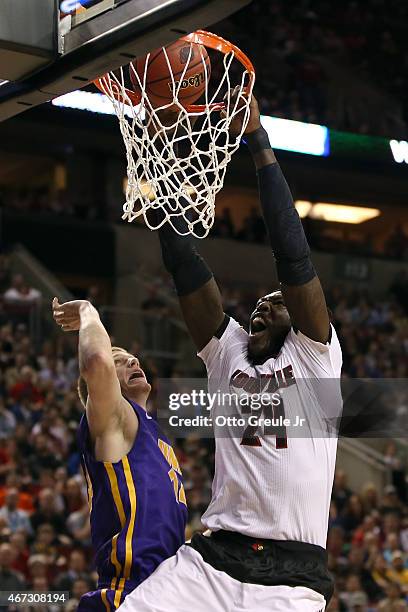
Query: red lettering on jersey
275	411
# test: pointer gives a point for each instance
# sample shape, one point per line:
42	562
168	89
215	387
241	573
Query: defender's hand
254	118
68	315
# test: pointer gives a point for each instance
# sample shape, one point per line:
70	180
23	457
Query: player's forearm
260	148
181	259
94	341
285	230
196	288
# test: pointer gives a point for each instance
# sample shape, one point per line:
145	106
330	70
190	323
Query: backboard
92	37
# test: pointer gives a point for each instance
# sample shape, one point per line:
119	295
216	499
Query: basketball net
177	156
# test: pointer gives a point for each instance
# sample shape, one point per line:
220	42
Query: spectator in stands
79	588
10	580
380	572
18	540
20	294
7	421
37	568
369	497
41	458
352	514
47	512
47	543
76	571
392	544
26	387
393	602
353	594
16	519
341	492
398	572
78	525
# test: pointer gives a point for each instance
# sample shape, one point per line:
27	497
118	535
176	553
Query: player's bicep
225	348
307	308
203	313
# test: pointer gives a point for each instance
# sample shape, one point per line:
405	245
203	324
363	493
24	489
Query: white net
177	157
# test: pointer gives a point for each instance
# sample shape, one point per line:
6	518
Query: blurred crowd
44	514
322	236
45	201
328	63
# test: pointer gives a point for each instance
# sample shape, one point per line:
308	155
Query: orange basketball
159	84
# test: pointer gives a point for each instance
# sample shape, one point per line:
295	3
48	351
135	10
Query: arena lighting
399	150
340	213
303	207
284	134
86	101
68	6
296	136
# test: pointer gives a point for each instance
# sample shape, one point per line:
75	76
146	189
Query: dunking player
270	502
136	496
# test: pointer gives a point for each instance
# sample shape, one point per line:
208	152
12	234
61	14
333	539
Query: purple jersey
137	505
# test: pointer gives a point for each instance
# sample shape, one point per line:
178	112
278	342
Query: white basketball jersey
281	488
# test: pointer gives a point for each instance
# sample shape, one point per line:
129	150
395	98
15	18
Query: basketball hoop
178	152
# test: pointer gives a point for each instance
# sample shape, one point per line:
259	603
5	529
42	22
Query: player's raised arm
105	406
301	287
199	296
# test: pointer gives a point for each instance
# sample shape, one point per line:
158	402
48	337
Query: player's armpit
203	313
112	439
307	309
112	425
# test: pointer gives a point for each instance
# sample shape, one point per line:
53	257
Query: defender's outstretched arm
105	405
301	287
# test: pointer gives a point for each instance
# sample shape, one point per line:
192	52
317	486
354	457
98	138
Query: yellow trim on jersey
115	492
132	498
105	600
129	534
89	486
115	562
113	481
118	594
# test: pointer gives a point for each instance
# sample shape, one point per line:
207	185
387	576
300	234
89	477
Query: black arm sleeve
182	261
285	230
286	234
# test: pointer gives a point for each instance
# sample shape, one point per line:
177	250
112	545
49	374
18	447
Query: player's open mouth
136	375
257	325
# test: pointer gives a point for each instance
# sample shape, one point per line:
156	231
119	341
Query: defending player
136	496
270	501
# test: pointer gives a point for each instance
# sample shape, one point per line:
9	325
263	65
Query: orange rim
107	86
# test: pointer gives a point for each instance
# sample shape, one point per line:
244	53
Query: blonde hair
82	386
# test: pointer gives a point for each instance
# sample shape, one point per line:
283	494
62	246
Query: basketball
159	83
